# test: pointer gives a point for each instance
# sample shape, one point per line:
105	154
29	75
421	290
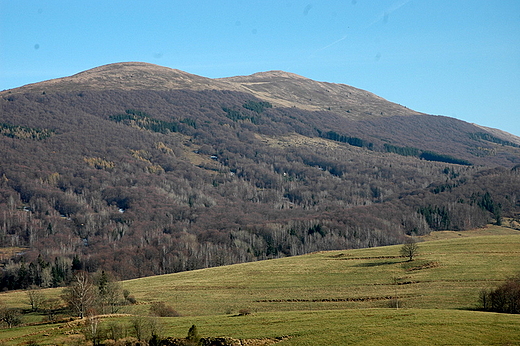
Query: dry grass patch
488	230
10	252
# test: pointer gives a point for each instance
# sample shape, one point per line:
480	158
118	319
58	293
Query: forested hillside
147	171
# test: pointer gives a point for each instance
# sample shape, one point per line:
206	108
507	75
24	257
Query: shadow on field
375	264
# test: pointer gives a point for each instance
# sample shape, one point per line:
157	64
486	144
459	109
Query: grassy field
335	298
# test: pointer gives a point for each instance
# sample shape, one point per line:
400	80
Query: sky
459	58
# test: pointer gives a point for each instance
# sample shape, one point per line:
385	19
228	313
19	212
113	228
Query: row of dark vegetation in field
141	183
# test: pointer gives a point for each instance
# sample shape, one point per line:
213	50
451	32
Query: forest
147	182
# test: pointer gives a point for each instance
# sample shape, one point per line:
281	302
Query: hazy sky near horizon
459	58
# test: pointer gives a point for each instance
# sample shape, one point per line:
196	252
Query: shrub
160	309
193	335
505	298
128	297
127	341
244	312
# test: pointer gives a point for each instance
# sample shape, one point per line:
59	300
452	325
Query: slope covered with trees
142	178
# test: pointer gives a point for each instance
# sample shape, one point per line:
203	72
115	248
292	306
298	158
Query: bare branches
80	295
410	249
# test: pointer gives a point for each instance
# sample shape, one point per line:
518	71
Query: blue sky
459	58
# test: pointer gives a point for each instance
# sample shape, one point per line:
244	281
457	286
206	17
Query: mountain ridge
291	90
124	76
130	171
281	88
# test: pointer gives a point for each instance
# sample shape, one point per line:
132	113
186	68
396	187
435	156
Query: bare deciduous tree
51	307
92	330
36	298
410	249
10	316
80	295
110	294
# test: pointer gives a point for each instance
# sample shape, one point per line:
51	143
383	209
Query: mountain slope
125	76
141	170
290	90
280	88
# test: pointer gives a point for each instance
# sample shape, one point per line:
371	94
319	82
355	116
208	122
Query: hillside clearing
448	274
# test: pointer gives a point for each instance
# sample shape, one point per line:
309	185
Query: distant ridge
266	75
292	90
126	76
281	88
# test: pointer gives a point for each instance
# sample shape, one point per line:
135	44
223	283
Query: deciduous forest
146	182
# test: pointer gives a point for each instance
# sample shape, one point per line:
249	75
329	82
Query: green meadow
349	297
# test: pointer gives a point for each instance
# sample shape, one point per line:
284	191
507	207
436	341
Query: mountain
280	88
125	76
290	90
140	169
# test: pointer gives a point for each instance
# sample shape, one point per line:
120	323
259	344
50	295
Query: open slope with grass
340	297
447	274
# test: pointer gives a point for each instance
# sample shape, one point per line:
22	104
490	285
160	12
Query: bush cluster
505	298
160	309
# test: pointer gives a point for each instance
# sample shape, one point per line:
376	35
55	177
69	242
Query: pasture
349	297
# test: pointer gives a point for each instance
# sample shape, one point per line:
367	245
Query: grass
340	297
330	327
366	327
454	270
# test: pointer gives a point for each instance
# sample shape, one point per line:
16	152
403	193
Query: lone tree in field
10	316
36	298
80	295
410	249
